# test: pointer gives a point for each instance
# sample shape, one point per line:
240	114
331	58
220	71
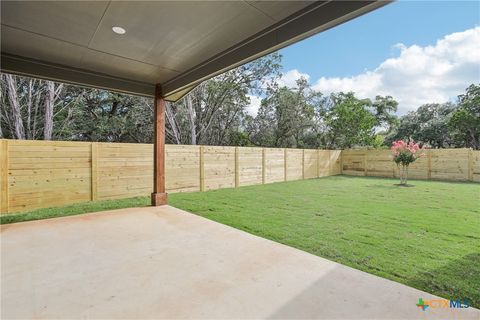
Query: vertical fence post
3	176
202	169
94	171
318	163
470	165
285	152
429	164
365	173
303	164
341	162
237	167
393	169
330	169
264	164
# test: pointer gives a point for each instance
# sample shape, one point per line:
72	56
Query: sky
416	51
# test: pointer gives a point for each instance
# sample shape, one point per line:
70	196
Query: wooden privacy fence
38	174
437	164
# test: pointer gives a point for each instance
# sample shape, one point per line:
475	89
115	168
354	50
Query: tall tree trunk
15	104
191	118
3	106
29	109
172	123
1	131
49	103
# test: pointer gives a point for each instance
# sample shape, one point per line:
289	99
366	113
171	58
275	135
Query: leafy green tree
427	125
384	109
464	124
215	111
349	121
36	109
286	116
114	117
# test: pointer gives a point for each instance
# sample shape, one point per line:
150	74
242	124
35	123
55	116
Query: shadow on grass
458	279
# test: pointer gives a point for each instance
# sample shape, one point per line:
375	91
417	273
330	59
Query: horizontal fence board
294	164
250	162
219	167
335	161
275	165
310	164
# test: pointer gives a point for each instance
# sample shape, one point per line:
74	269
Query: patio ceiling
176	44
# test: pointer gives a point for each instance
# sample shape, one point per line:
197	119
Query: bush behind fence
38	174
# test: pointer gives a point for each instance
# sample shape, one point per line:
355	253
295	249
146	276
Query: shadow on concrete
336	295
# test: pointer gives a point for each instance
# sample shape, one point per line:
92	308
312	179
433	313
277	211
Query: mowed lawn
426	236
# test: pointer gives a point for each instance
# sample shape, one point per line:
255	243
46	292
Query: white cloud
255	102
289	79
418	74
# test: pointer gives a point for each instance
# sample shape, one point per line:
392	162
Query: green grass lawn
426	236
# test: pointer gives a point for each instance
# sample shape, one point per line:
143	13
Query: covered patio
159	49
162	262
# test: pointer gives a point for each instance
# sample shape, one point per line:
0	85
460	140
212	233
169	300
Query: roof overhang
72	41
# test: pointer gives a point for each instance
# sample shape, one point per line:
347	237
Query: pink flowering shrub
404	154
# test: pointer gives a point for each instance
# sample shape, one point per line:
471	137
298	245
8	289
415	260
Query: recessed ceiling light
118	30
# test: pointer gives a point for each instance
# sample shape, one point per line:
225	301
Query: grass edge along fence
40	174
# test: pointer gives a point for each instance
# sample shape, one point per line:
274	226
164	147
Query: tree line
216	113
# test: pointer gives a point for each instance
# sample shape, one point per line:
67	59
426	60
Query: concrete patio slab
166	263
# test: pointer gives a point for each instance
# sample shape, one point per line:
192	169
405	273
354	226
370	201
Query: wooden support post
93	176
318	163
264	164
470	165
159	196
202	169
237	169
3	176
285	152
